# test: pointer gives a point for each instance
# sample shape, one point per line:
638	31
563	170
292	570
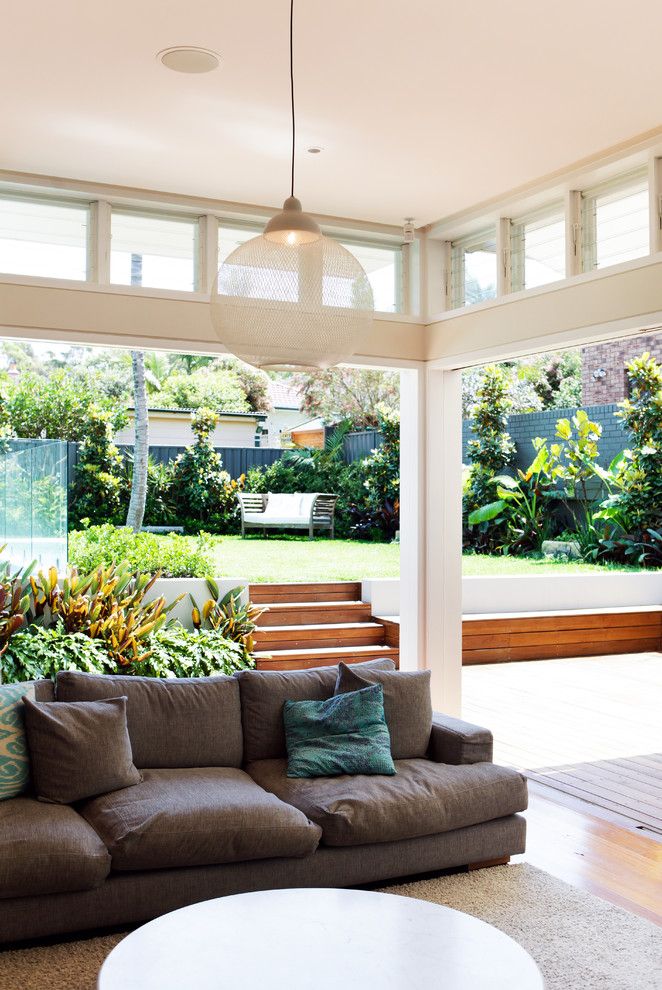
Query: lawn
277	558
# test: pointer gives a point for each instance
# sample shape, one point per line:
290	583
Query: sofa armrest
455	741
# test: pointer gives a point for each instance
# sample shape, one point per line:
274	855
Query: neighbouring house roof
187	413
283	395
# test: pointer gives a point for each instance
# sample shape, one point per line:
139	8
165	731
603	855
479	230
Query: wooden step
324	657
335	591
269	638
313	613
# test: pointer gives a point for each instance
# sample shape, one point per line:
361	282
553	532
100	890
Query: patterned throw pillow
14	760
344	734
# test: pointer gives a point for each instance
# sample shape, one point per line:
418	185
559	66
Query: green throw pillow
344	734
14	760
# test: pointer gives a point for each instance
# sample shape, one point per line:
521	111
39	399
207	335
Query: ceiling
422	108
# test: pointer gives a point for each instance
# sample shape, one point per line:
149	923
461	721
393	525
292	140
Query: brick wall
612	358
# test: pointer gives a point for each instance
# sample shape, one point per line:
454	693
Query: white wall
170	588
175	431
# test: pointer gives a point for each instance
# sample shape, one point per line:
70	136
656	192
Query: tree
220	390
349	393
58	406
136	513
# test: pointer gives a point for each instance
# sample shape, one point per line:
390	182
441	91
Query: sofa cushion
264	692
344	734
14	759
423	798
197	818
407	705
78	749
47	849
174	722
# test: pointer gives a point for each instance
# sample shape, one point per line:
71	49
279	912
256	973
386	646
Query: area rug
579	941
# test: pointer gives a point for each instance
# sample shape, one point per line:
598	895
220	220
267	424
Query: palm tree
135	515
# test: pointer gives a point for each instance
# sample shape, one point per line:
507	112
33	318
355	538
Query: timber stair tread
315	625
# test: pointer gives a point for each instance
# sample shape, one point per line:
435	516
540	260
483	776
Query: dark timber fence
360	444
524	427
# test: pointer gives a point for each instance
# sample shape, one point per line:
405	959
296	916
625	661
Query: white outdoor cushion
307	500
262	519
283	506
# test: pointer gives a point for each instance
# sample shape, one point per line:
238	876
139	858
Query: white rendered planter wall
170	588
523	593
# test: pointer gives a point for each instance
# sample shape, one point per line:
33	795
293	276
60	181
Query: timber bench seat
312	511
505	637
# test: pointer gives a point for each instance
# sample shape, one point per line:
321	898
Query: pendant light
292	298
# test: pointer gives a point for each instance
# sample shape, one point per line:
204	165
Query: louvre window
537	249
44	238
154	251
473	269
615	222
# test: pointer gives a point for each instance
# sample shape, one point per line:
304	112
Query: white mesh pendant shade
280	306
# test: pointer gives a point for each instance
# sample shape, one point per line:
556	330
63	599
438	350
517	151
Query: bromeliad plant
227	614
14	602
108	605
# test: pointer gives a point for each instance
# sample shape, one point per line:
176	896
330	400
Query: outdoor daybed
308	510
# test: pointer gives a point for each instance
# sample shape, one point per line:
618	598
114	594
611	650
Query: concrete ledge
559	592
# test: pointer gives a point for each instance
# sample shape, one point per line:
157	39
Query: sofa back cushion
407	705
174	722
264	693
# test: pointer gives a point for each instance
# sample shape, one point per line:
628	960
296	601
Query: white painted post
655	203
573	233
443	538
412	518
98	244
207	252
503	256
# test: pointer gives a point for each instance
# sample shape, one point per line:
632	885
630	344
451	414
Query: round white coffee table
322	938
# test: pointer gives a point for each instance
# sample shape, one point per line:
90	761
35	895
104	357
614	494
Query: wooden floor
570	713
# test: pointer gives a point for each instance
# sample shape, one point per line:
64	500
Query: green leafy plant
227	615
491	451
172	555
376	515
177	652
97	489
108	604
204	493
14	604
523	502
37	652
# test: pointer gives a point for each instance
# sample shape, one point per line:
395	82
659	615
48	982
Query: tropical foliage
228	616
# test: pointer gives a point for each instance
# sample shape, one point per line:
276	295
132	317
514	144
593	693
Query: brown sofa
215	813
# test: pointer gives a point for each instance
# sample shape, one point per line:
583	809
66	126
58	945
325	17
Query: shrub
176	652
491	451
97	489
173	652
172	555
376	514
227	616
38	652
204	493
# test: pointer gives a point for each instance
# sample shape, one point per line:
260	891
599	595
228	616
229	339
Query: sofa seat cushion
269	519
47	849
423	798
197	817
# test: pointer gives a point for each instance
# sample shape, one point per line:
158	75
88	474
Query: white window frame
488	235
183	218
400	274
612	189
554	213
67	201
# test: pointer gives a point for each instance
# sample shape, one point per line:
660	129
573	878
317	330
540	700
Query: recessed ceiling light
192	60
314	150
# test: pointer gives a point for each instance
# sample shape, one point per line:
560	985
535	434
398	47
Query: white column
655	203
431	530
503	256
443	539
98	244
207	252
412	518
573	233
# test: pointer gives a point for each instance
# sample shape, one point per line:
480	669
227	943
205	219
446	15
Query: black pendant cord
292	89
